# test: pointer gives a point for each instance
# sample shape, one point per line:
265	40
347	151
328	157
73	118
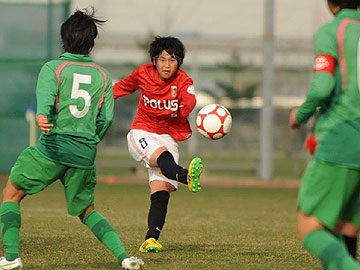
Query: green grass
285	168
218	228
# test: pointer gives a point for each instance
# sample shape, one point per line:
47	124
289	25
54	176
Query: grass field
218	228
236	166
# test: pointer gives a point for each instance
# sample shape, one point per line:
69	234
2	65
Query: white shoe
131	263
9	265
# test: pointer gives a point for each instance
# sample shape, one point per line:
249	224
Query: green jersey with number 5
75	94
335	90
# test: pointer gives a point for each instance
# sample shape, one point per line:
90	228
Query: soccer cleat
132	263
150	245
9	265
194	172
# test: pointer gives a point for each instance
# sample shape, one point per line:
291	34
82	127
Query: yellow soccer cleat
150	245
194	172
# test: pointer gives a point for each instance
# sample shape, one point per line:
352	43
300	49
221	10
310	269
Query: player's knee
86	212
349	229
166	164
12	193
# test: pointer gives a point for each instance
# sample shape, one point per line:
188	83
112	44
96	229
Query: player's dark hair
352	4
79	31
172	45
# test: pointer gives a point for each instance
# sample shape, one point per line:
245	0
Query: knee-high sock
10	228
157	213
106	234
329	250
171	169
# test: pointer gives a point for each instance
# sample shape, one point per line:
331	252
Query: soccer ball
213	121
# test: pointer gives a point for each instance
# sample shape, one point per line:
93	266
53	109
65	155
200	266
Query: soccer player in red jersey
166	100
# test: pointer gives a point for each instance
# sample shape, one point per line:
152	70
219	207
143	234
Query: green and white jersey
336	91
75	94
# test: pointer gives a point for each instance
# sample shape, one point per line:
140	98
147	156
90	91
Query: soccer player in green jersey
329	197
75	107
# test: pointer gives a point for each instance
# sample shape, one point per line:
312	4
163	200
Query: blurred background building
224	42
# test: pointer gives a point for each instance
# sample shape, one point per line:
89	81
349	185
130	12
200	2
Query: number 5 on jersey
76	93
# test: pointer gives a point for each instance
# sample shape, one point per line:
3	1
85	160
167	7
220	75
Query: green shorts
330	193
33	172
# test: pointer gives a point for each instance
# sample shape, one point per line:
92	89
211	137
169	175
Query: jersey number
143	143
76	93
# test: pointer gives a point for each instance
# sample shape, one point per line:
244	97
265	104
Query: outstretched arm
46	91
126	86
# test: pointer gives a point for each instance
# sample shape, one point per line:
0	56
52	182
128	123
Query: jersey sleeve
106	113
187	98
325	42
127	85
323	81
46	91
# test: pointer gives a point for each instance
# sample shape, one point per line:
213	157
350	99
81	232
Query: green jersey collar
75	57
349	13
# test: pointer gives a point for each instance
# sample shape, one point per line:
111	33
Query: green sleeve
323	83
46	91
325	41
321	89
106	114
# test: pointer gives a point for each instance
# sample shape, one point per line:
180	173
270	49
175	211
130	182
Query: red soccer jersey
159	109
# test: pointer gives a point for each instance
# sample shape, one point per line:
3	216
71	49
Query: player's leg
106	234
163	159
161	151
323	244
79	186
10	226
320	210
348	233
159	199
351	225
31	173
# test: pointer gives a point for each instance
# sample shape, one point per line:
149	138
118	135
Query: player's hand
311	143
292	120
43	123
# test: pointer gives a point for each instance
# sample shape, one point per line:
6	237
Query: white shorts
142	145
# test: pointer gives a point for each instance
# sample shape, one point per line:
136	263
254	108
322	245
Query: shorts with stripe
142	145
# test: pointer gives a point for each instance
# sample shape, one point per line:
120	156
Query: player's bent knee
12	193
86	212
307	224
349	229
154	157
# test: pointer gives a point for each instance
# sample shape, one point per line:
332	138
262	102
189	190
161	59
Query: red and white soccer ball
213	121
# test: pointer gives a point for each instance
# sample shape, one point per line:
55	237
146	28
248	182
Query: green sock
106	234
10	228
329	250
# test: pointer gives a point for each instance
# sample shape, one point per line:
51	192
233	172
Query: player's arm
126	86
46	91
106	112
323	81
187	99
